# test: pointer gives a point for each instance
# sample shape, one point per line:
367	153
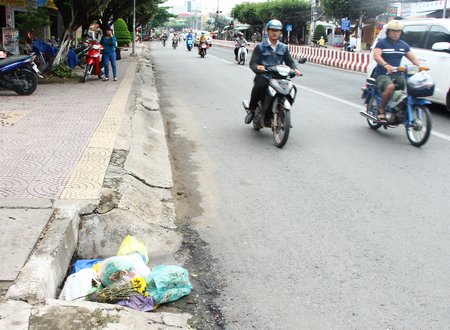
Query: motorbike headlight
292	93
271	91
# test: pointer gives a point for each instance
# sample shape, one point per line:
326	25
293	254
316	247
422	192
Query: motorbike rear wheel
419	132
87	70
282	126
372	108
30	77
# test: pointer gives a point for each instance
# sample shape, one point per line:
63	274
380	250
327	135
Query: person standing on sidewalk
109	41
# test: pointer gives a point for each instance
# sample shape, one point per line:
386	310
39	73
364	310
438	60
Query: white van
429	39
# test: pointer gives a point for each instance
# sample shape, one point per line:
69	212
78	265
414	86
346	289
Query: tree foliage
353	9
77	13
31	20
217	22
296	12
122	33
161	17
319	31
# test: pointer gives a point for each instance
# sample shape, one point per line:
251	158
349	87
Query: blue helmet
274	24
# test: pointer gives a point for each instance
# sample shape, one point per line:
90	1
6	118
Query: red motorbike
93	61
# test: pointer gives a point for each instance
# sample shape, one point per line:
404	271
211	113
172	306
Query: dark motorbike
175	43
19	73
274	111
202	49
406	107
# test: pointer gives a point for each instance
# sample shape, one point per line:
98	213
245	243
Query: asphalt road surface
345	227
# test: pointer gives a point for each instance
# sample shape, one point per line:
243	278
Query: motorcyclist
189	36
238	42
201	40
268	53
175	39
388	53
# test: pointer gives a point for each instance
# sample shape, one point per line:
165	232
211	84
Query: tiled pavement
56	143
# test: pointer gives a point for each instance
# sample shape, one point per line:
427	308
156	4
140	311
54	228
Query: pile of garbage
126	279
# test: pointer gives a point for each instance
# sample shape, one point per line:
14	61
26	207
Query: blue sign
288	27
345	24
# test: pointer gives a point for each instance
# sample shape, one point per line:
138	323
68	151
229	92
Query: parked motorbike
189	44
93	61
242	55
202	49
4	54
19	73
274	111
406	107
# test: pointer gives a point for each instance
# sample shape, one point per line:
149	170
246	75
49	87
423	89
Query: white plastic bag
78	284
420	80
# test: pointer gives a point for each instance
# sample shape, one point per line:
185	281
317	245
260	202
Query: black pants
259	91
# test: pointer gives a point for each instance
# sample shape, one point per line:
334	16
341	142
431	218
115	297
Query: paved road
344	227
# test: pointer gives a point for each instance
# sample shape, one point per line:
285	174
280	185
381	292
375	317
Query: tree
294	12
122	34
319	31
353	9
76	13
217	22
161	17
31	20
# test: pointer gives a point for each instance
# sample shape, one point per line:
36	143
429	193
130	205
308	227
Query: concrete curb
358	61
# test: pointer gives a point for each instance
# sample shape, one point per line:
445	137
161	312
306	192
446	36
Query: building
9	36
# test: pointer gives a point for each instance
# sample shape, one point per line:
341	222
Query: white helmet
394	25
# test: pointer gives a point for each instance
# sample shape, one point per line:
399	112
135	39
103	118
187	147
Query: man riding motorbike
271	52
238	42
388	53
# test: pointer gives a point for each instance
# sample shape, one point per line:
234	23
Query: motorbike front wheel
282	126
420	130
372	108
87	71
30	77
242	59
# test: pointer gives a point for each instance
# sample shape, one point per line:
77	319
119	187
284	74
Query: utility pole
313	20
133	53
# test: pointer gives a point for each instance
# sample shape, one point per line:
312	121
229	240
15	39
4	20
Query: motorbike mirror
302	60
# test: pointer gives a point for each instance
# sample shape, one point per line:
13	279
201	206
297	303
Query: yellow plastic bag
132	245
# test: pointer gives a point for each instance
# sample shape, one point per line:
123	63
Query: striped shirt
392	52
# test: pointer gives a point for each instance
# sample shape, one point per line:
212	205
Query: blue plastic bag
168	283
82	264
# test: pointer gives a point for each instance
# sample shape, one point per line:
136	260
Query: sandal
382	118
105	79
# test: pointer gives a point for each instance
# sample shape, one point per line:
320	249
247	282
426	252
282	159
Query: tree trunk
61	56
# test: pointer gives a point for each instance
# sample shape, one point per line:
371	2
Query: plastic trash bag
138	302
79	284
168	283
84	263
131	245
121	269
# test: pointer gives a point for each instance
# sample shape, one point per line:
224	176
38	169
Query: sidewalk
80	169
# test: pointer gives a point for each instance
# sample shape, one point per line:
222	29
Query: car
197	37
429	39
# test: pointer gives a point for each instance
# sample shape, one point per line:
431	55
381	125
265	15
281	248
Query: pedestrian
109	41
254	37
